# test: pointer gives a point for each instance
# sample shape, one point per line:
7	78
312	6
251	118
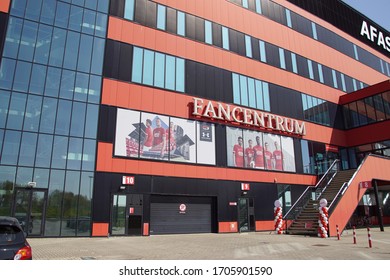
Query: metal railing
317	190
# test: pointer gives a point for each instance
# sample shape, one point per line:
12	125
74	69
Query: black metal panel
255	48
111	59
199	29
3	30
151	14
233	44
140	11
241	43
221	147
125	62
190	26
106	125
298	156
117	8
217	35
171	20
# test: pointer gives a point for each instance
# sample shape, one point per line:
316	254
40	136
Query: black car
13	243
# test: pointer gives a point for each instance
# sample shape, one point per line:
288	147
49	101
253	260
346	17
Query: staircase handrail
340	193
326	178
296	202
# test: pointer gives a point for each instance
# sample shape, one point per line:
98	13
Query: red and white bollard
369	238
338	233
354	235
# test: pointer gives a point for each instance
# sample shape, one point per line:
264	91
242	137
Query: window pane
334	78
23	176
27	149
282	59
85	53
248	46
41	177
259	95
88	25
95	83
148	67
18	7
258	7
244	90
159	70
22	76
71	50
294	63
137	65
91	121
49	110
28	39
320	73
129	9
101	25
62	15
74	153
33	9
161	17
71	192
44	147
57	47
314	30
181	24
310	67
170	72
78	119
4	102
252	94
63	117
53	82
81	87
53	213
225	38
75	18
60	148
12	40
263	57
180	75
33	113
38	76
236	89
288	17
7	70
10	147
48	11
267	105
208	32
97	56
67	84
16	110
89	155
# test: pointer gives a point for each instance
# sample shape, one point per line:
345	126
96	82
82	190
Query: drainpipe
378	207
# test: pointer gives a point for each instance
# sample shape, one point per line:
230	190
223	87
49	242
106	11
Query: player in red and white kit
238	153
259	154
267	156
170	134
149	134
159	138
278	157
249	155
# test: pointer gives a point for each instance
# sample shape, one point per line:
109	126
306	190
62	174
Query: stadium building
138	117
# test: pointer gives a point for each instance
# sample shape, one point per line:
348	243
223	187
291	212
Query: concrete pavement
233	246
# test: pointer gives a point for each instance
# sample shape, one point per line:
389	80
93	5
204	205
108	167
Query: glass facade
50	84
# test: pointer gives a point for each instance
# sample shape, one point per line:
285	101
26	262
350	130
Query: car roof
9	221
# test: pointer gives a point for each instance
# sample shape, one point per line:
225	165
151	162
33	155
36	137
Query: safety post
369	238
354	235
338	233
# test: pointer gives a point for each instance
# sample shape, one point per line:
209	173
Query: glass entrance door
126	214
243	215
30	209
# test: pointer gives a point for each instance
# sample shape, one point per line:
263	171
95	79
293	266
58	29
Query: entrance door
126	214
30	209
246	215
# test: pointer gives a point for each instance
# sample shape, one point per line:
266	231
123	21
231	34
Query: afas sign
375	36
245	116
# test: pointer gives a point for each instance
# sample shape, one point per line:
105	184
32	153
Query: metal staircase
304	213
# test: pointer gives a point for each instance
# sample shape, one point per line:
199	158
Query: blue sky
377	10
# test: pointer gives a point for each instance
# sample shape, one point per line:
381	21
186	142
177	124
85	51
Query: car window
10	234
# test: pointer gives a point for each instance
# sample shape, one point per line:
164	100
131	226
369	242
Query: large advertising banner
249	151
235	147
205	143
182	140
127	136
288	154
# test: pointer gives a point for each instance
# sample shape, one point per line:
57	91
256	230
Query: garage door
186	216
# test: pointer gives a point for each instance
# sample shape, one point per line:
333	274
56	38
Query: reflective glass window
225	38
161	17
248	46
181	23
33	9
4	102
267	104
11	146
18	7
259	95
78	119
282	58
49	110
44	150
71	50
57	47
89	19
27	149
97	56
33	113
355	52
288	17
334	79
310	67
208	32
245	4
63	117
28	40
85	53
148	65
95	83
170	72
236	89
137	65
344	87
244	90
17	108
54	202
263	57
75	152
379	108
22	76
386	103
294	63
81	87
72	183
12	39
60	149
48	11
180	77
75	18
314	30
7	70
38	76
62	15
103	6
23	176
67	84
251	93
320	73
89	155
159	70
101	25
53	79
41	177
129	9
91	121
42	47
